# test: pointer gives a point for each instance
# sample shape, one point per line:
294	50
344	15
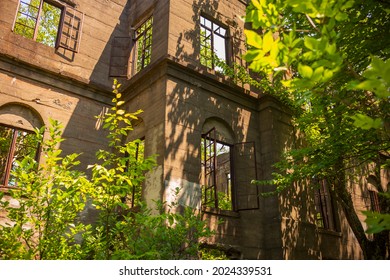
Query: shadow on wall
302	239
84	131
101	72
189	105
192	36
188	109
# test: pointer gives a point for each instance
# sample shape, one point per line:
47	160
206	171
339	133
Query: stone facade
181	100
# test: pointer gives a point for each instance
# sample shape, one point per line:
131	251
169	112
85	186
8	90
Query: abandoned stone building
58	59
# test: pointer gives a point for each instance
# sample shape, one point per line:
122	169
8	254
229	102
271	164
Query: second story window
213	43
143	44
38	20
49	23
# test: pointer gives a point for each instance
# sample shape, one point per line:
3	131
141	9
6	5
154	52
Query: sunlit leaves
264	53
377	78
254	39
377	222
267	55
263	13
366	122
50	196
305	71
334	57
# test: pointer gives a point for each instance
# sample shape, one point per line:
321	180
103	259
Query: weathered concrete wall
146	92
184	27
159	9
192	100
51	99
102	21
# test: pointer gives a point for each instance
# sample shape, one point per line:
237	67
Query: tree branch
312	23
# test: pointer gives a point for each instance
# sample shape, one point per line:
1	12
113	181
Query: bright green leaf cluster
377	222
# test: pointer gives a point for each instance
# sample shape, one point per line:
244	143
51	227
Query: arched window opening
15	144
227	169
17	139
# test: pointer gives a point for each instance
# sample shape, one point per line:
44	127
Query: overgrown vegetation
329	62
43	210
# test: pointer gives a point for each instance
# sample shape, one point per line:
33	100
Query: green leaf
377	222
366	122
317	75
305	71
310	43
253	54
268	41
253	39
120	112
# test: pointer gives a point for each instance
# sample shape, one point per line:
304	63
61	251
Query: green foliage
42	220
224	201
117	174
213	254
377	222
143	235
329	60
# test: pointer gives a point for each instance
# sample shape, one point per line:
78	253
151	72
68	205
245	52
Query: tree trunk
375	249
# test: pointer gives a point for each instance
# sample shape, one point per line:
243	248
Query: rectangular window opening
227	174
213	44
143	45
374	201
38	20
324	217
49	23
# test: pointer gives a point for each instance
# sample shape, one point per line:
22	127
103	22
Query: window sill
5	189
219	212
329	232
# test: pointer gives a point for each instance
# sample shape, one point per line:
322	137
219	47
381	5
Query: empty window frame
213	43
135	157
217	164
15	144
325	217
374	201
49	23
227	186
143	45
